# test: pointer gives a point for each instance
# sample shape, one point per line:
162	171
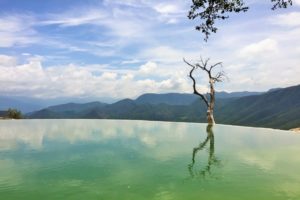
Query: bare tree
212	79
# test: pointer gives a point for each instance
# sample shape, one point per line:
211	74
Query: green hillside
278	108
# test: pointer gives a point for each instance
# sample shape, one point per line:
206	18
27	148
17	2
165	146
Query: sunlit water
107	159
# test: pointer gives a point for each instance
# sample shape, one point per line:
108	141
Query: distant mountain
274	89
147	106
226	95
3	113
275	109
28	104
169	98
184	98
76	107
19	103
279	108
69	110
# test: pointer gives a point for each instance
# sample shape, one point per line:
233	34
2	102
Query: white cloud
33	79
170	12
265	48
7	61
167	54
147	68
124	19
291	19
109	76
135	31
296	2
17	30
76	18
116	23
265	64
132	61
131	3
165	8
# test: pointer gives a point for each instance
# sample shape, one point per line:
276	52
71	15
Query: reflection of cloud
258	160
34	132
164	193
14	134
158	137
148	139
142	153
161	138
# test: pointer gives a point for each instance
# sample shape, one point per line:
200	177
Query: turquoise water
111	159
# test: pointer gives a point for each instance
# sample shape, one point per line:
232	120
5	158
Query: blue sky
121	49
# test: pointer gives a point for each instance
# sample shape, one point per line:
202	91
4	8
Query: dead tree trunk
203	65
210	109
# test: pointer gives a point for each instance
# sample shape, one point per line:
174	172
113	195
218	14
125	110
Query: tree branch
211	11
194	82
219	77
281	4
211	67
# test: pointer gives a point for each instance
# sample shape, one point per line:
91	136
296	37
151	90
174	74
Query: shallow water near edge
119	159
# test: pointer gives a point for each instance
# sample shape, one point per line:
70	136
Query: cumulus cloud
265	64
147	68
291	19
33	79
7	60
170	12
165	8
265	48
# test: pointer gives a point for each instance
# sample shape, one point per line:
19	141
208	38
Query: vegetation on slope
275	109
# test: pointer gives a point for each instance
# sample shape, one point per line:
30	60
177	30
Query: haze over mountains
29	104
277	108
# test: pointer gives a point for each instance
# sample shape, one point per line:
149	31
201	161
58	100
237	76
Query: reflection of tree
212	160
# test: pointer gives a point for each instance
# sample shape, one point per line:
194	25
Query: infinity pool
115	159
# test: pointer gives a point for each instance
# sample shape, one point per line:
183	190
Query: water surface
111	159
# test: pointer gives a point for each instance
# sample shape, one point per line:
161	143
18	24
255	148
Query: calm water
107	159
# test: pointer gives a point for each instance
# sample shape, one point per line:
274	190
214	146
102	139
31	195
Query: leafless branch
194	82
215	65
219	77
203	64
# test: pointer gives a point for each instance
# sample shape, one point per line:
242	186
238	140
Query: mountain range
277	108
30	104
